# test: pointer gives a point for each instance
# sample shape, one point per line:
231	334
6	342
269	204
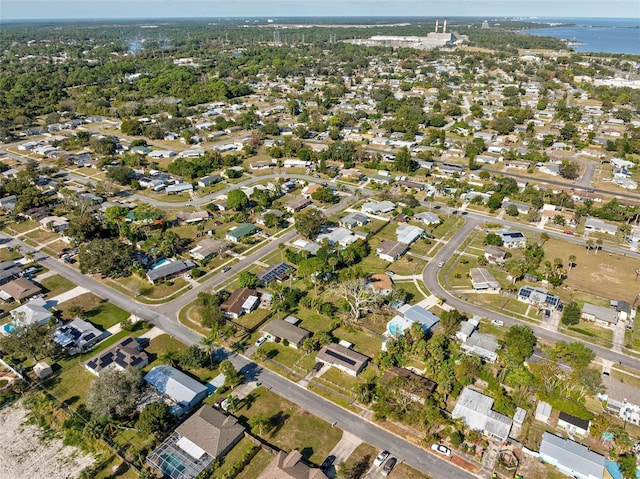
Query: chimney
444	27
437	22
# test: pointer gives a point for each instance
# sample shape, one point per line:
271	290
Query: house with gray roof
179	188
408	234
513	239
378	207
428	218
353	220
206	436
122	355
78	336
169	270
475	409
8	271
599	226
343	358
290	466
483	280
33	312
281	330
390	251
341	236
571	458
602	316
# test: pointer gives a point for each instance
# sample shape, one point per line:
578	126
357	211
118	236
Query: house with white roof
378	207
571	458
599	226
475	409
428	218
33	312
407	234
183	390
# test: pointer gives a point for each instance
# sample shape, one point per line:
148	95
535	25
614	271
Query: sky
121	9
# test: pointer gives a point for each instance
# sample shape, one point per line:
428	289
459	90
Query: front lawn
55	285
97	310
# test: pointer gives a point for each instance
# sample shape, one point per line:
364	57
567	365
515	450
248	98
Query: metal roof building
571	458
475	410
173	383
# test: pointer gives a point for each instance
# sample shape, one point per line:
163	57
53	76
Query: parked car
497	322
389	465
381	458
187	277
226	268
261	341
570	233
441	449
440	264
318	366
326	464
389	272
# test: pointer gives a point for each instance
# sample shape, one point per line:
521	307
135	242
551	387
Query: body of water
607	35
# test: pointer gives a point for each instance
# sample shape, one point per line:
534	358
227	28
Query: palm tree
168	356
30	256
261	422
544	237
599	244
208	343
572	261
589	245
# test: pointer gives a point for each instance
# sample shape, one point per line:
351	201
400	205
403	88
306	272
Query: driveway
66	296
345	447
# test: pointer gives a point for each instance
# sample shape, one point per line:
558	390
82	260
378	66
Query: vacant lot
603	274
27	454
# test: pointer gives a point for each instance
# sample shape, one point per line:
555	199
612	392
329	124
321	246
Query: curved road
430	279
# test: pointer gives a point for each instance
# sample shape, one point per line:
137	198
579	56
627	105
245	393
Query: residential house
294	163
8	203
209	180
408	234
169	270
602	316
208	435
297	204
31	313
428	218
127	353
390	251
290	466
550	169
378	207
278	272
160	154
8	271
261	219
78	336
283	330
481	345
42	370
343	358
184	391
235	235
19	290
483	280
353	220
599	226
381	284
573	424
571	458
475	409
241	301
263	165
179	188
341	236
57	224
522	208
512	239
538	297
207	248
188	218
310	189
495	254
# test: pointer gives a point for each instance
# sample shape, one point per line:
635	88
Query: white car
381	458
444	450
497	322
187	277
261	341
440	264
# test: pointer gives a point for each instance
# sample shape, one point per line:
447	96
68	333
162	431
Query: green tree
519	342
569	170
108	257
310	223
193	357
237	200
122	175
30	341
571	314
324	195
247	279
493	239
113	394
628	465
154	419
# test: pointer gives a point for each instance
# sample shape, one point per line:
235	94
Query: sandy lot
25	456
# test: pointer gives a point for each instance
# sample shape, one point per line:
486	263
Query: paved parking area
343	450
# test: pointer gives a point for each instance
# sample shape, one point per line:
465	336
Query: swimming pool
161	263
395	328
7	328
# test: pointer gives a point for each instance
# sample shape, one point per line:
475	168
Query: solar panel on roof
525	293
340	357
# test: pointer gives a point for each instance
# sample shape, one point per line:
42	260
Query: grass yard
625	377
97	310
71	385
160	344
233	456
456	274
42	236
589	331
23	226
402	471
55	285
256	466
282	354
6	255
312	321
362	458
407	265
293	428
338	378
415	293
363	342
138	286
373	264
254	318
604	274
498	302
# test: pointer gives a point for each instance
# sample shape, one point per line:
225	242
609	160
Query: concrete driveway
342	451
